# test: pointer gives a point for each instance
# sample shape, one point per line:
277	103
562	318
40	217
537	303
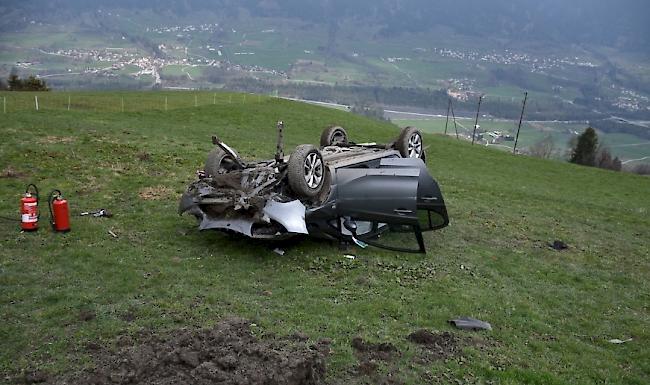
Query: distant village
113	62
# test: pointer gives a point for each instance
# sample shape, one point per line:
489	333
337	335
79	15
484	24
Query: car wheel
306	171
409	143
333	135
219	161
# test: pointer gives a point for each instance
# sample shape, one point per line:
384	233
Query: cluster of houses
535	64
632	101
185	28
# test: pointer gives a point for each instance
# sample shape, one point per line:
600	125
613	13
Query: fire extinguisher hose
50	199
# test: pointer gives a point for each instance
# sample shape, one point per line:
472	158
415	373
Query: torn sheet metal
243	226
291	215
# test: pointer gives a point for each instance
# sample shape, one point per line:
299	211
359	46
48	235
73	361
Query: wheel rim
313	170
338	138
415	145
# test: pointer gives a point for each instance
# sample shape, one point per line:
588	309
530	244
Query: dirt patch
10	172
370	355
87	315
228	353
51	139
156	193
368	351
438	346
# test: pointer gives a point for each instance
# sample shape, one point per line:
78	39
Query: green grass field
553	312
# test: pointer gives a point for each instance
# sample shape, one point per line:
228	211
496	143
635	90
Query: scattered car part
617	341
97	213
369	194
467	323
558	245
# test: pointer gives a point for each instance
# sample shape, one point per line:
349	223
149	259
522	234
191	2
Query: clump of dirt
87	315
156	193
143	156
369	356
228	353
439	346
367	351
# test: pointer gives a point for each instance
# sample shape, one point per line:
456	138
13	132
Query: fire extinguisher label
29	218
30	204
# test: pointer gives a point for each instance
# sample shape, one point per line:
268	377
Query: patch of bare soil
156	193
369	351
51	139
228	353
371	356
437	346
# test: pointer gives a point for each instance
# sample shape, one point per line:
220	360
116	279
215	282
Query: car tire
306	171
333	135
219	161
409	143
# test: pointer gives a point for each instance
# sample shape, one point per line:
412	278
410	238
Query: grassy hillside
553	312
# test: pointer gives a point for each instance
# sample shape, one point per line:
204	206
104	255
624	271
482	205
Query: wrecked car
364	193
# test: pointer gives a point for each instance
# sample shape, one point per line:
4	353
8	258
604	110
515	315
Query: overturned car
366	193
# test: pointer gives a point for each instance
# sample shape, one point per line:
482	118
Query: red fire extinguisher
59	211
29	209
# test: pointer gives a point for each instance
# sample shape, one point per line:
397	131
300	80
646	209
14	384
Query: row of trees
31	83
585	150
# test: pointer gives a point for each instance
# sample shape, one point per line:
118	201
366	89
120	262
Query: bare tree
544	148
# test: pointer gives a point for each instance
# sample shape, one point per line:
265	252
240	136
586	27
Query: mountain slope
552	311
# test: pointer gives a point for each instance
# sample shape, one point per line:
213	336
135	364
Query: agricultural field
67	300
626	147
279	48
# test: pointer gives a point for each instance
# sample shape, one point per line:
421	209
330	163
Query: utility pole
447	121
36	102
68	102
514	149
165	103
454	116
480	98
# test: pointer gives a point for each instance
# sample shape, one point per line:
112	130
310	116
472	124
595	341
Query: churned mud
437	346
228	353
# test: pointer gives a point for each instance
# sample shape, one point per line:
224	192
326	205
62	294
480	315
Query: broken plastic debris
558	245
617	341
359	243
278	251
467	323
348	256
98	213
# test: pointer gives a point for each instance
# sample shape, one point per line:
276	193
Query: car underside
381	195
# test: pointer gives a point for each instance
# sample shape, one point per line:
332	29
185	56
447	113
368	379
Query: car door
382	205
432	212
